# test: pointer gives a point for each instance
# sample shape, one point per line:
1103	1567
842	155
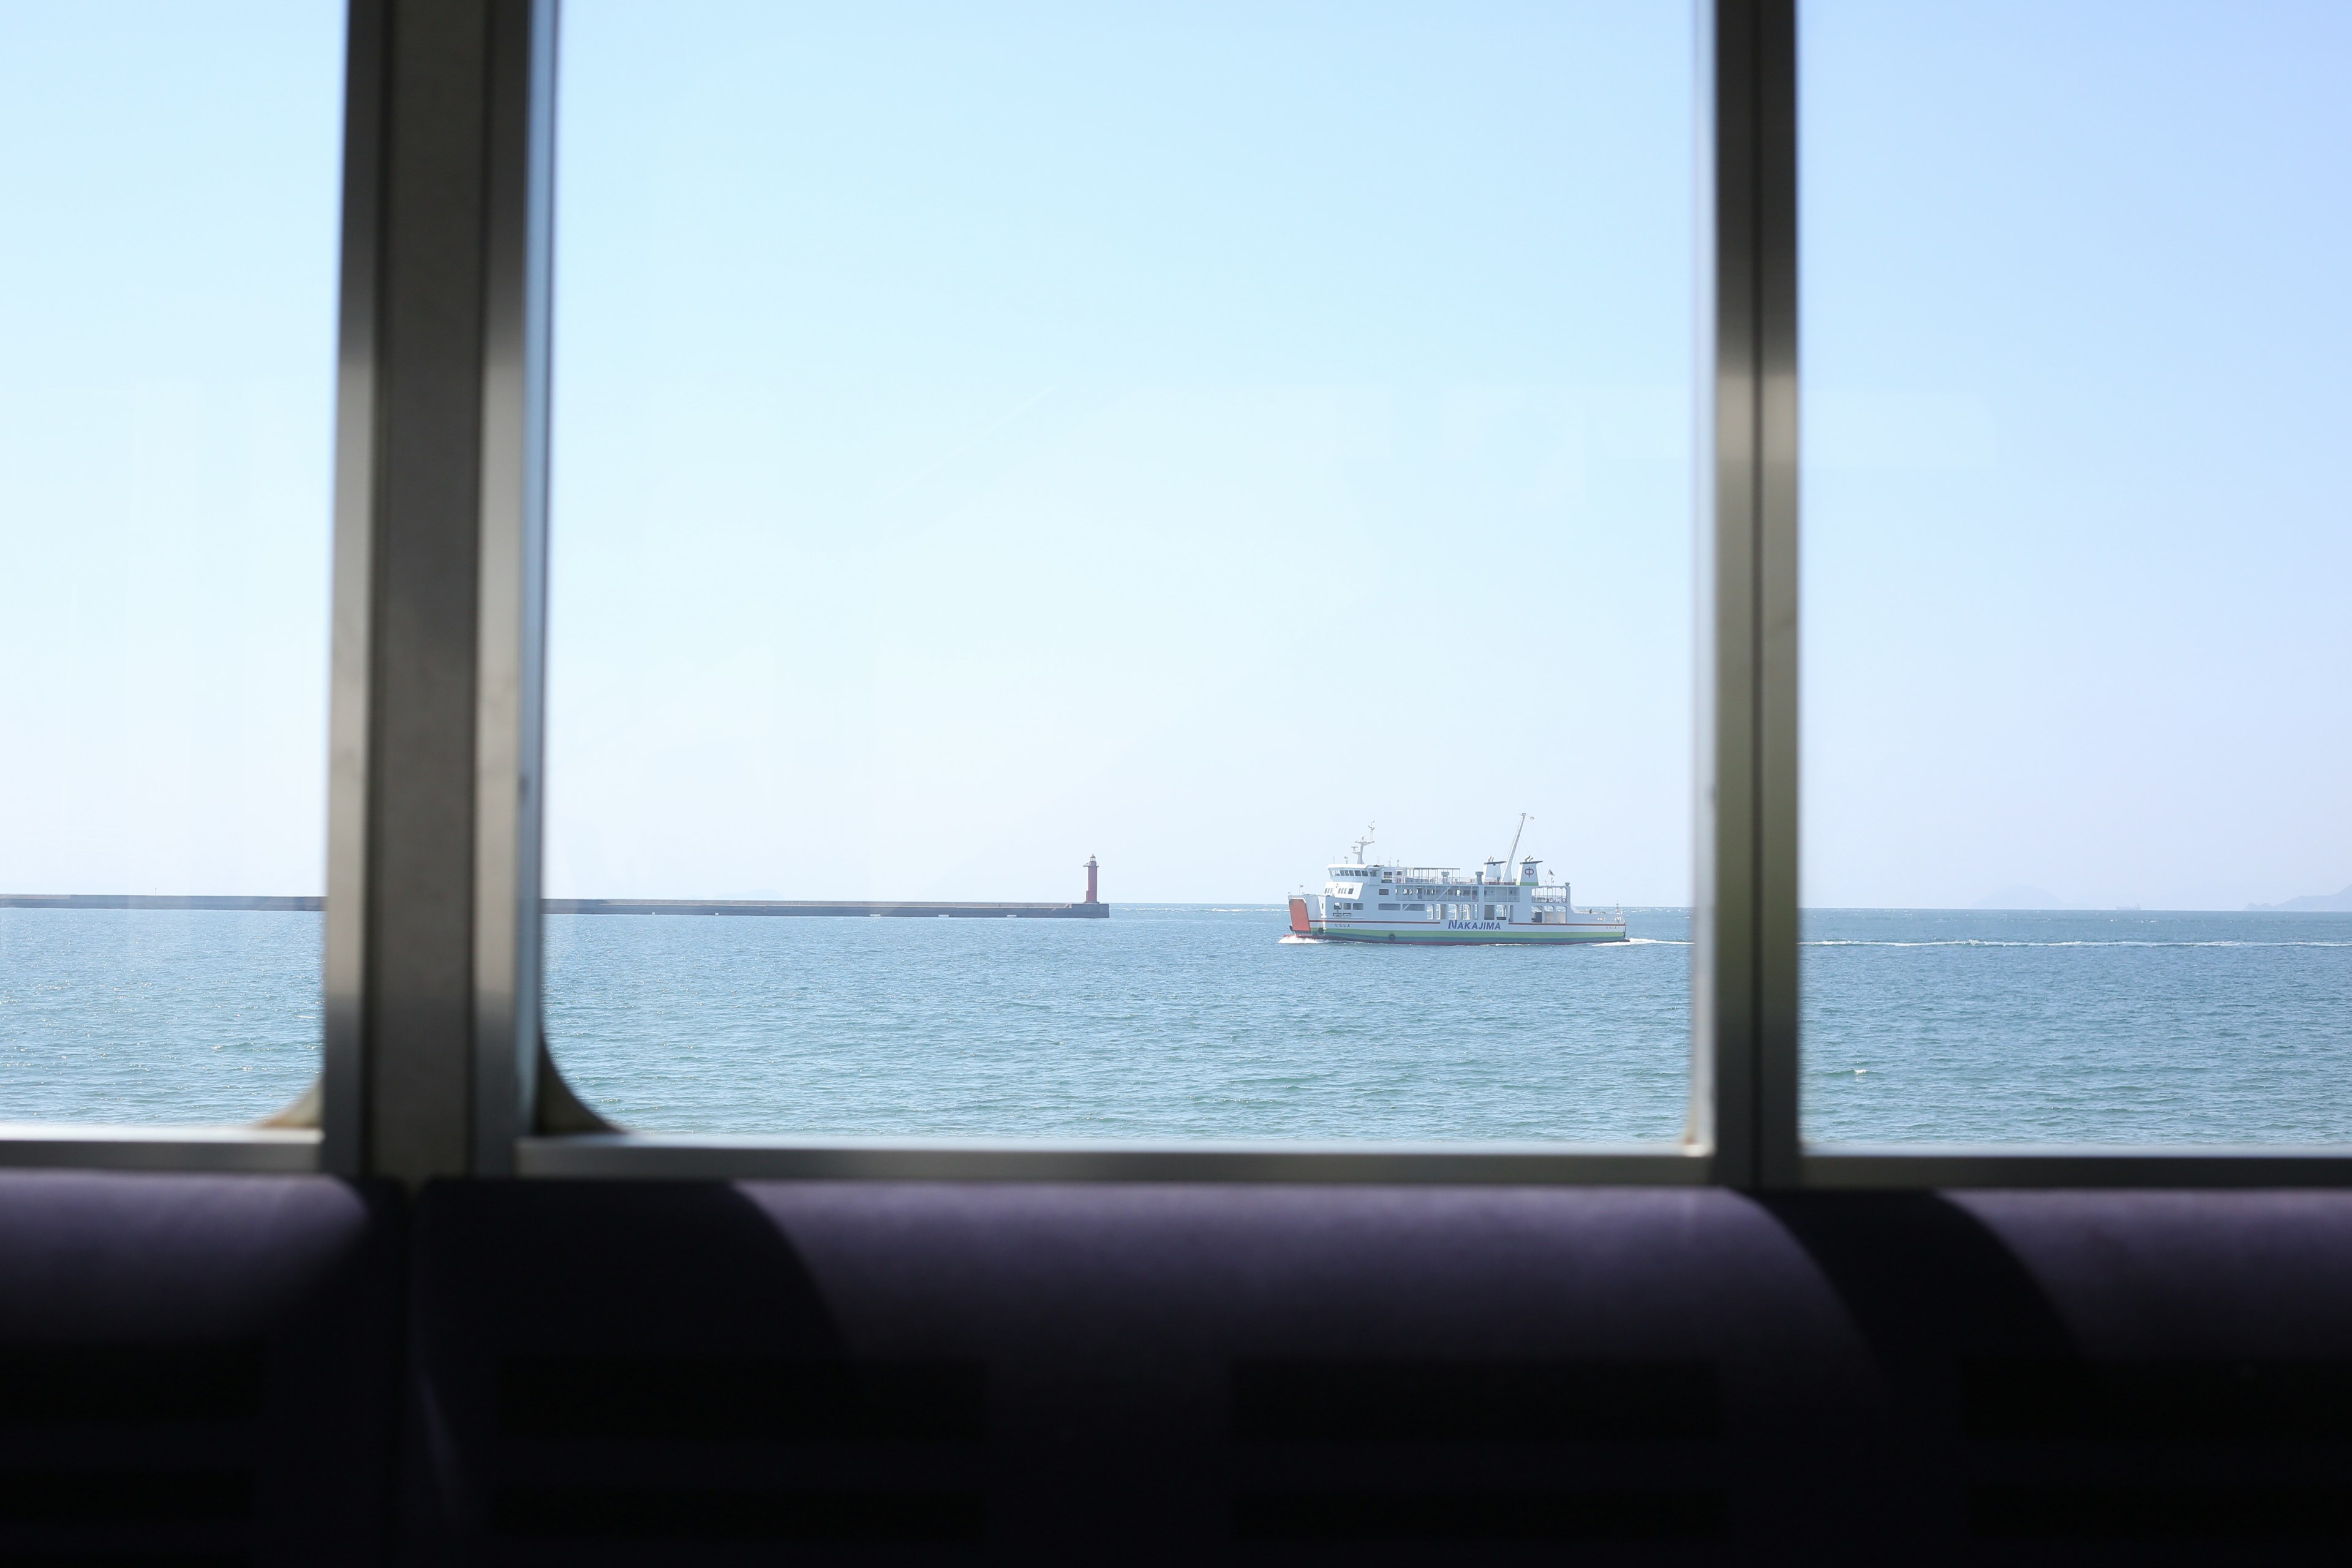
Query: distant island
2023	896
2311	904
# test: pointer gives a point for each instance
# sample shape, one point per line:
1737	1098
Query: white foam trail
1984	942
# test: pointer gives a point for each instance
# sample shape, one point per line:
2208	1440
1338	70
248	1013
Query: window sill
1914	1165
73	1146
719	1157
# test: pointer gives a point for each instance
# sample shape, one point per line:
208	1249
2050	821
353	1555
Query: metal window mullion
342	1100
1779	1135
508	748
1744	906
432	865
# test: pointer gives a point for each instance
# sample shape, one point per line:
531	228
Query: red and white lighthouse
1091	882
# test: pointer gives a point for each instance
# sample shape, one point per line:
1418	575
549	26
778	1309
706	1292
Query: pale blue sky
168	175
977	439
1177	434
2078	360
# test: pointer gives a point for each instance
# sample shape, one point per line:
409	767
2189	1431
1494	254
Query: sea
1184	1021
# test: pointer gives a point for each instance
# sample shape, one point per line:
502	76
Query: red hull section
1298	917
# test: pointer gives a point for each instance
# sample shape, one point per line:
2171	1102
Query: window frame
71	1146
433	1059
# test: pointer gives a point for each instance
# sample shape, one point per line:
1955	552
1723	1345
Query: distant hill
2314	904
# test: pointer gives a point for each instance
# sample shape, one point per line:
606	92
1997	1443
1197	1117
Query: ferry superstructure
1381	901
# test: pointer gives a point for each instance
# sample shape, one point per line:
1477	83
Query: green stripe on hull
1470	938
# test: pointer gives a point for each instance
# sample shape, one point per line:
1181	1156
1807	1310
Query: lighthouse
1091	882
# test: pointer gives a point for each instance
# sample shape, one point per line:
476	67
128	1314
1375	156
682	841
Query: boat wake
1990	942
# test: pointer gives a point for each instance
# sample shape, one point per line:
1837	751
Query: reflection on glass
2076	532
171	179
991	440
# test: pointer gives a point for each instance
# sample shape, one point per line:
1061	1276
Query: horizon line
311	903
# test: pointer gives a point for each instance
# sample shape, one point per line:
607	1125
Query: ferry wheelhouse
1377	901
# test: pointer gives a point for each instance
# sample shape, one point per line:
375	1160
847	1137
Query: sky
170	175
1184	435
987	437
2078	382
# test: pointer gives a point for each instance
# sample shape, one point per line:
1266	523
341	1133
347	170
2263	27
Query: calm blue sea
155	1014
1199	1022
2133	1027
1182	1022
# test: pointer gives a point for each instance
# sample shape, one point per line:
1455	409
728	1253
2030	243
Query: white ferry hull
1584	928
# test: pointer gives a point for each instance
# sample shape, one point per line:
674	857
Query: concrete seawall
588	906
820	906
153	901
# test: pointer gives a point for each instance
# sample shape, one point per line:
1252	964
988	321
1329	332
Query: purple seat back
917	1371
196	1368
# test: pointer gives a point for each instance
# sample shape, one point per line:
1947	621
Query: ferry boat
1375	900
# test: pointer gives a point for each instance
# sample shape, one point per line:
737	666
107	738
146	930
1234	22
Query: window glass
171	177
2077	532
970	421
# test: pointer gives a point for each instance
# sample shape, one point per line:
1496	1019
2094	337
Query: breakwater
156	901
1092	912
1086	912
